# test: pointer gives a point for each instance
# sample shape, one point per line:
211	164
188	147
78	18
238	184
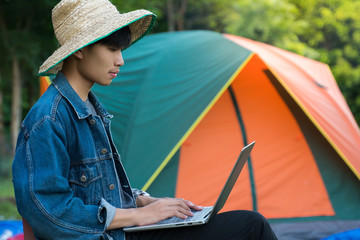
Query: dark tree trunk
16	101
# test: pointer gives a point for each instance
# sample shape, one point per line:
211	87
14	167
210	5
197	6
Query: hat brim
140	23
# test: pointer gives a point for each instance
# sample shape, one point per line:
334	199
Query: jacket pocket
85	181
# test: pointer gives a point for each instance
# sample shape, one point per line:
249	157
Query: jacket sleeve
44	197
137	192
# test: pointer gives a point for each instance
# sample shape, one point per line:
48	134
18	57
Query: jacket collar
65	89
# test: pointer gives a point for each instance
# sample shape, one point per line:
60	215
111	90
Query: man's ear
79	54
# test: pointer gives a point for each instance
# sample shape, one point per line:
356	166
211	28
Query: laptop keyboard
197	215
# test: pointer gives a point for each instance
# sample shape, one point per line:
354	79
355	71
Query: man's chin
107	83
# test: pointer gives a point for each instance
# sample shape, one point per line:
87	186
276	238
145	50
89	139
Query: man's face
100	64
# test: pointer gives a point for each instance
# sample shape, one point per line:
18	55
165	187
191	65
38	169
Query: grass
8	210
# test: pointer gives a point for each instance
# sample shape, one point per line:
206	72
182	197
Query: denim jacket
67	171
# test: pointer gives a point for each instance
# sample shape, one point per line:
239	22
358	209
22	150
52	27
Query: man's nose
119	61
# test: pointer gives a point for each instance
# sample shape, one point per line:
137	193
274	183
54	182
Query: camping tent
185	104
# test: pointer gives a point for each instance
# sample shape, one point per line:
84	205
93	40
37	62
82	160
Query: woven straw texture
78	23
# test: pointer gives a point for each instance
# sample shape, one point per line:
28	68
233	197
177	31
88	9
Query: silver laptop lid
245	153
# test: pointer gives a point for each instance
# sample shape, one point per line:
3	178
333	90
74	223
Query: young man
68	178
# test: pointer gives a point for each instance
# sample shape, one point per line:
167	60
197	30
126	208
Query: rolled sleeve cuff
106	213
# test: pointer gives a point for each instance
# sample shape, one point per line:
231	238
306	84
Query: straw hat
78	23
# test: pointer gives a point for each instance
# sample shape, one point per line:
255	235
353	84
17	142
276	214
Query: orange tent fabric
302	78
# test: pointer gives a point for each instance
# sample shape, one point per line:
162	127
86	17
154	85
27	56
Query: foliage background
324	30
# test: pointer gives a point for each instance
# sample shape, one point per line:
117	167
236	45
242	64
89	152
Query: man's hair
120	39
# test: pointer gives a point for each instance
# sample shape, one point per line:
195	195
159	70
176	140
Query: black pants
246	225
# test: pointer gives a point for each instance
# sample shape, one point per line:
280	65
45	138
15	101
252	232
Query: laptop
207	213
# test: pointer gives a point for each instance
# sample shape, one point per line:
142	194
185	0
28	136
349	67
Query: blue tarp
348	235
10	228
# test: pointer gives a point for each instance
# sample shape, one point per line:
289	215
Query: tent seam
245	140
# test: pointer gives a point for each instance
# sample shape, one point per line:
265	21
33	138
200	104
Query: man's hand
162	208
152	210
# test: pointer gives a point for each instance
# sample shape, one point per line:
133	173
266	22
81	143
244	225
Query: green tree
23	44
178	15
333	30
269	21
324	30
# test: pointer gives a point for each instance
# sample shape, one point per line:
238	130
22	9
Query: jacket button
83	178
111	186
104	150
92	121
